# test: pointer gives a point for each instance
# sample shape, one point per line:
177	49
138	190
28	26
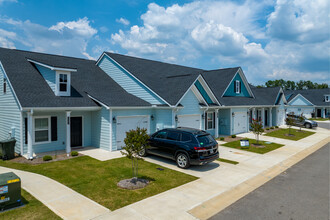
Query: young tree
256	128
135	142
289	121
301	121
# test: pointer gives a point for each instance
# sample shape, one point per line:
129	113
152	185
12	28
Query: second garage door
240	122
189	121
125	124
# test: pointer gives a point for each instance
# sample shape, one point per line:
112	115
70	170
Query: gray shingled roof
33	91
169	81
315	96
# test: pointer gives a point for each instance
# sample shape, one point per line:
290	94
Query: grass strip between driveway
227	161
282	133
32	209
98	180
269	146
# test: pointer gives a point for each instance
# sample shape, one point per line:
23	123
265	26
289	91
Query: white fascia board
61	108
11	86
134	77
208	90
198	95
98	101
52	67
299	95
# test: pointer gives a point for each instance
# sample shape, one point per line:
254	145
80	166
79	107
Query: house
50	102
309	102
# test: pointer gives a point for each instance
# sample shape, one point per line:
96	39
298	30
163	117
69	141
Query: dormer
58	78
327	98
238	86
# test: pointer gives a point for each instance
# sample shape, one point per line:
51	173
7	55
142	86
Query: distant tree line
292	85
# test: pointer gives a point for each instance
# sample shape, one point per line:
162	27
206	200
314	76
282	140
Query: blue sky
268	39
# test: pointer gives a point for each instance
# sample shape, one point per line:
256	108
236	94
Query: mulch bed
39	160
133	183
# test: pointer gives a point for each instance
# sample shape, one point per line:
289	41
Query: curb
218	203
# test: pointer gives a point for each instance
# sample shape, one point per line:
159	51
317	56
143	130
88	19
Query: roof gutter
92	108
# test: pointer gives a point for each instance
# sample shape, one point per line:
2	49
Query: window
63	82
4	85
209	120
186	137
161	135
327	98
237	86
41	130
174	136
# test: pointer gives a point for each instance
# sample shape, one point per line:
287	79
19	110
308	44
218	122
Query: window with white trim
63	81
41	130
327	98
237	86
210	120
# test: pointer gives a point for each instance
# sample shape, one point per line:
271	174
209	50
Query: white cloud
123	21
2	1
69	38
7	38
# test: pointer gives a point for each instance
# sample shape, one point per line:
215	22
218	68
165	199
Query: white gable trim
4	72
98	101
52	67
132	76
242	75
198	95
299	95
280	91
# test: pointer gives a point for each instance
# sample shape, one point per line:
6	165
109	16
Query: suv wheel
143	152
182	160
307	125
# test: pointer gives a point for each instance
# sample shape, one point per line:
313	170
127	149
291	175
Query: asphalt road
301	192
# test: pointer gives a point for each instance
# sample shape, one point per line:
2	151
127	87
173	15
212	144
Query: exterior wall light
152	117
176	118
233	114
203	116
114	120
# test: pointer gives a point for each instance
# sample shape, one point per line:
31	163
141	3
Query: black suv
186	146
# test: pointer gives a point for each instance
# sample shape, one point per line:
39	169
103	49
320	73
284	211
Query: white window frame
327	98
68	86
237	87
34	130
207	121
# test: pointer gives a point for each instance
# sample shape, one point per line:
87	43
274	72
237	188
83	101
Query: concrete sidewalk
219	187
63	201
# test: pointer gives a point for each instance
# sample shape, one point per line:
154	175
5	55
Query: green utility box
7	149
10	191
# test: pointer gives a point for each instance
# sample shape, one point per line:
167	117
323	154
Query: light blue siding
101	129
126	81
49	76
190	105
163	119
60	144
299	100
274	116
10	115
203	92
230	89
224	121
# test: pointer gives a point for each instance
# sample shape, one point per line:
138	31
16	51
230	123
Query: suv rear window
186	137
161	135
174	136
205	140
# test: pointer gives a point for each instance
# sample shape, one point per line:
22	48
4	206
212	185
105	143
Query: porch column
323	113
68	133
30	133
216	123
254	116
173	119
263	117
270	117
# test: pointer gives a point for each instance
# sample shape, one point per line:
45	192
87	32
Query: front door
76	131
266	117
319	113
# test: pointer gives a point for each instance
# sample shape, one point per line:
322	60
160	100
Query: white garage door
189	121
240	122
128	123
280	117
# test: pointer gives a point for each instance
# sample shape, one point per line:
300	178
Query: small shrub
47	158
276	126
272	127
222	138
233	136
267	129
74	153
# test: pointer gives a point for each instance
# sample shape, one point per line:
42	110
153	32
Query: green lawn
227	161
297	134
267	148
319	119
98	180
33	209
